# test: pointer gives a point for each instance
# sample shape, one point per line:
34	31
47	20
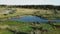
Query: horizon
23	5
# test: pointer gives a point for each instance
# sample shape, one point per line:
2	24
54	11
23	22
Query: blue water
32	19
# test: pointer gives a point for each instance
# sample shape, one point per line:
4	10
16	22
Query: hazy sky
29	2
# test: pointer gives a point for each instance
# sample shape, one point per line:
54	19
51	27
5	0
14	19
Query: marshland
29	19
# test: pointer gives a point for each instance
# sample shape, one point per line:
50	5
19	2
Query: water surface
32	19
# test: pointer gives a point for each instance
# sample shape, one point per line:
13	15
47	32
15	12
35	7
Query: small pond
32	19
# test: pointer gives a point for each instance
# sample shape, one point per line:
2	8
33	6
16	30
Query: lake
32	19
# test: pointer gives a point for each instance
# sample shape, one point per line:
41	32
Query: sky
30	2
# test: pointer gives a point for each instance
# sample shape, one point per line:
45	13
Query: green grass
5	32
21	25
26	27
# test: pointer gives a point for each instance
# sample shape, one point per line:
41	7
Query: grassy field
47	14
9	27
23	11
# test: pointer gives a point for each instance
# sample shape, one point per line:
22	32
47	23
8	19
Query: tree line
33	6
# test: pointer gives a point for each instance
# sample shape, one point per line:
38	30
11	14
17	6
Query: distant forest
33	6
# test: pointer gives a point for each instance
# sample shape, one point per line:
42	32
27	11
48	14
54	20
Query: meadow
16	27
47	14
11	27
